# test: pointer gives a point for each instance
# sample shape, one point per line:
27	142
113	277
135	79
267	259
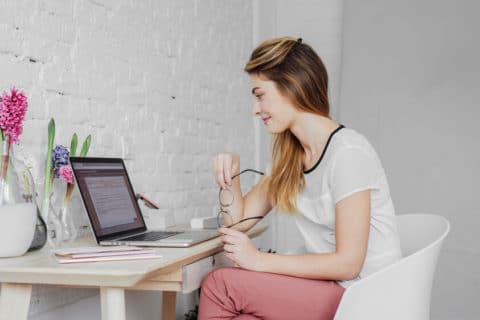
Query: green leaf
51	134
73	145
86	146
48	167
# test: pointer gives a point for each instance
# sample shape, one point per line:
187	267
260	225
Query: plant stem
5	158
68	194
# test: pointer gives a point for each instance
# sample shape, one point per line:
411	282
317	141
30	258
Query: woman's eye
259	96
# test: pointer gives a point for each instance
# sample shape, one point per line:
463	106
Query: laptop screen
108	196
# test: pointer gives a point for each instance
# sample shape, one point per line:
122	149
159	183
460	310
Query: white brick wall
159	83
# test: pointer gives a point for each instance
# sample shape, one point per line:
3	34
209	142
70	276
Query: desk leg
113	303
168	305
15	301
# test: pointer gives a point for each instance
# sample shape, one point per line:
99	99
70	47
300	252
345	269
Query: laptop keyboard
151	236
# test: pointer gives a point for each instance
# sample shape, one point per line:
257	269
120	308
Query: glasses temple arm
245	219
248	170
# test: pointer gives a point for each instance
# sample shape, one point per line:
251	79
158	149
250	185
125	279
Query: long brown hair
300	75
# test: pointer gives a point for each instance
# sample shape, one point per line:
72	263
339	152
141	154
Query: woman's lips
266	120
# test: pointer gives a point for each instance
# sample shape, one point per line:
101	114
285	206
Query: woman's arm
352	222
255	203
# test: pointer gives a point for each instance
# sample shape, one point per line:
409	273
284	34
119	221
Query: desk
179	270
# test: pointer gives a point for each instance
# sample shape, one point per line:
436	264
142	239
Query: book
97	254
109	258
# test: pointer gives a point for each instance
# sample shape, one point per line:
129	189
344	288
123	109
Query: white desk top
41	267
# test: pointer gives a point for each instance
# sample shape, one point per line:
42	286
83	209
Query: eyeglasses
226	198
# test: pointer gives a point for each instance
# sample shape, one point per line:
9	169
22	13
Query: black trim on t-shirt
324	149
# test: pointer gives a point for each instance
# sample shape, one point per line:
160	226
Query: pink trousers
235	293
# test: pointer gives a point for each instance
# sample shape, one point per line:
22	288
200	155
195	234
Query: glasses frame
223	211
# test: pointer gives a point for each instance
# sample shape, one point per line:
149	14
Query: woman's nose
256	108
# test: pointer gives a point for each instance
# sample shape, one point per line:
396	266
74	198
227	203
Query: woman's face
275	110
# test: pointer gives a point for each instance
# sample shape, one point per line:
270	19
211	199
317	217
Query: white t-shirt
349	164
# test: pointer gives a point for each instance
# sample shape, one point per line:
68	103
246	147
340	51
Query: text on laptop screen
108	197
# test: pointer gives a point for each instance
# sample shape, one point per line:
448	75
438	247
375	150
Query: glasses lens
226	197
224	219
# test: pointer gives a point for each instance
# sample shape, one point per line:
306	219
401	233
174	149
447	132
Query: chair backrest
401	290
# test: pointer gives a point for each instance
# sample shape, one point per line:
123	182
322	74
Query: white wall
157	82
410	81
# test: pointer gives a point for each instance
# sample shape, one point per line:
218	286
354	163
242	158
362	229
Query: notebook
100	254
113	211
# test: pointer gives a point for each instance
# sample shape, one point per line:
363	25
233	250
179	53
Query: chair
401	290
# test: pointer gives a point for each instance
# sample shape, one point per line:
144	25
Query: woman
327	175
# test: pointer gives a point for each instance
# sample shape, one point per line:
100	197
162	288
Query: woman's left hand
240	249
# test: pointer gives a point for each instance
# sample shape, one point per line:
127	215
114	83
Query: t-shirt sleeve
353	170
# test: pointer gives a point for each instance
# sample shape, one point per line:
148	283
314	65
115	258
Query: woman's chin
274	130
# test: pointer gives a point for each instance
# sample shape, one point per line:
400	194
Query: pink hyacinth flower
12	112
66	174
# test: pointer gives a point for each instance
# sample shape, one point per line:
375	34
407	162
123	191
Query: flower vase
40	234
18	209
54	225
69	232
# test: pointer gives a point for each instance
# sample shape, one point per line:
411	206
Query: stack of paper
95	254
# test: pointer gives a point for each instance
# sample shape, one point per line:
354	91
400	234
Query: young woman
327	175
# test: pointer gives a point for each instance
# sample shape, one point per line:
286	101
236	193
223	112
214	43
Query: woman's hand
225	166
240	249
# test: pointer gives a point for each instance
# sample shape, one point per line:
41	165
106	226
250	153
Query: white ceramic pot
17	227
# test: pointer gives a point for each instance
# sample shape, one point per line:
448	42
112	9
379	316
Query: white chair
401	290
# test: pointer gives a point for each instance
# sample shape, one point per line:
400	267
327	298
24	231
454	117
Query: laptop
113	211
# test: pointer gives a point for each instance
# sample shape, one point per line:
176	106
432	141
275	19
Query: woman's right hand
225	166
